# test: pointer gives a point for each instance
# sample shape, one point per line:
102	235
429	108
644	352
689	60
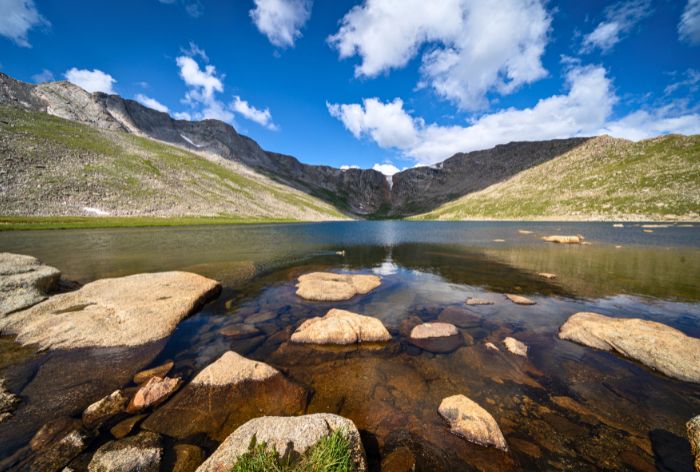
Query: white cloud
386	169
620	18
182	115
476	47
17	17
91	80
281	20
151	103
43	76
583	111
347	167
689	26
261	117
193	50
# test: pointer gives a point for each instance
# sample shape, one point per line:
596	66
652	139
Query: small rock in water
328	286
187	458
470	421
478	301
8	402
516	347
547	275
104	409
491	346
159	371
433	330
340	253
123	428
618	247
436	337
578	239
499	240
140	453
239	331
519	299
152	393
618	225
341	327
648	230
524	231
693	427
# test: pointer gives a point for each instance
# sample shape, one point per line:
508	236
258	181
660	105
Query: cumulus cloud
386	169
583	111
261	117
476	47
91	80
151	103
348	167
281	20
689	26
43	76
620	19
17	17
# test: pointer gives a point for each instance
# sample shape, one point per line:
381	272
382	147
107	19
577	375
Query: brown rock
239	331
123	428
470	421
327	286
655	345
55	445
693	427
519	299
104	409
399	460
564	239
515	347
341	327
152	393
159	371
437	337
187	458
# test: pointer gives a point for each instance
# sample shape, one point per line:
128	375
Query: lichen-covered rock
655	345
289	436
24	281
104	409
152	393
224	395
140	453
577	239
470	421
158	371
693	427
8	402
124	311
328	286
341	327
516	347
519	299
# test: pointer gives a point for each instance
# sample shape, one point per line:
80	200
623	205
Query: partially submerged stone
341	327
8	402
516	347
104	409
547	275
577	239
24	281
328	286
291	437
124	427
655	345
491	346
54	445
124	311
524	231
693	427
152	393
519	299
158	371
141	453
433	330
478	301
436	337
470	421
224	395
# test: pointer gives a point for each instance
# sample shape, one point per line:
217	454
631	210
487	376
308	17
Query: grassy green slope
604	179
56	167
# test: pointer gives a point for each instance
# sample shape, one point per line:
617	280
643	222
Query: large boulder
655	345
328	286
124	311
693	427
290	436
341	327
24	281
224	395
470	421
141	453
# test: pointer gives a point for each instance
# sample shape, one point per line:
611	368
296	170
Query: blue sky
394	83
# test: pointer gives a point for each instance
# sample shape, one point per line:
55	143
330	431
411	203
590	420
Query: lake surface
564	407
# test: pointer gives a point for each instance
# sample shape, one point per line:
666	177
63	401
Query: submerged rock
24	281
341	327
187	457
328	286
141	453
104	409
655	345
400	459
224	395
291	437
516	347
239	331
152	393
124	311
519	299
693	427
436	337
460	317
578	239
159	371
124	427
470	421
8	402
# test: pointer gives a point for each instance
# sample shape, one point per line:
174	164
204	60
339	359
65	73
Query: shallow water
564	407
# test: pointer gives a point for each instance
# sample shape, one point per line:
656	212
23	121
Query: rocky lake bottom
562	406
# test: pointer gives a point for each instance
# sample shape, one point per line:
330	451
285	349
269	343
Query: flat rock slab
124	311
328	286
577	239
516	347
655	345
519	299
141	453
470	421
341	327
224	395
291	437
24	281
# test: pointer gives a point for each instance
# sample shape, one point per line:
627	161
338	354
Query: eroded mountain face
365	193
